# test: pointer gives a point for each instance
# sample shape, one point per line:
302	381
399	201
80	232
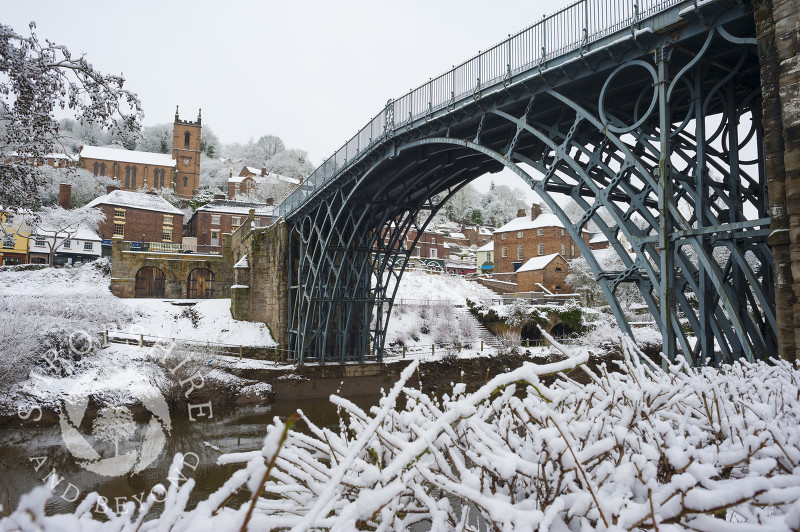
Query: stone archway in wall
149	282
530	333
561	330
200	284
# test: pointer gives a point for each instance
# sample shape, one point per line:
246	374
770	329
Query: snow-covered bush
38	321
636	448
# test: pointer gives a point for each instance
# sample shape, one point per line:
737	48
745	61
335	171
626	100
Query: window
540	232
167	219
504	236
215	219
67	244
119	213
558	268
96	169
558	287
186	137
562	231
8	241
540	249
166	235
571	250
563	249
163	184
133	177
185	181
9	219
102	169
433	253
215	238
88	246
127	177
39	242
504	252
520	253
119	230
236	221
433	240
519	234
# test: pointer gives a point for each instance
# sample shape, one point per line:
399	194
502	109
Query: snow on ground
417	287
23	281
209	320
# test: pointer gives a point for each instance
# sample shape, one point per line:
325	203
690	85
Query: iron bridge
646	113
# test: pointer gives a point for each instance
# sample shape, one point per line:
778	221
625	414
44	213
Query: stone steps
489	340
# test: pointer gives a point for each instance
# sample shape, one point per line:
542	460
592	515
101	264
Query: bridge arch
684	237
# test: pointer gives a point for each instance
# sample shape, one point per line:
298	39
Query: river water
29	454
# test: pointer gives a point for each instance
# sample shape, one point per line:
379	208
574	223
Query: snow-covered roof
537	263
127	156
598	238
237	207
83	233
458	235
485	231
136	200
522	223
487	247
263	178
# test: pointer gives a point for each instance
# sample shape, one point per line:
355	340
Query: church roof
127	156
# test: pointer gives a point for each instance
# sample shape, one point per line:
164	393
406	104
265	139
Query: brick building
138	169
211	221
478	235
138	217
536	236
548	272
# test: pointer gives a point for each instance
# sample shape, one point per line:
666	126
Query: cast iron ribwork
656	136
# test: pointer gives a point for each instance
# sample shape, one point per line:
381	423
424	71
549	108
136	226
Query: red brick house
547	272
211	221
478	235
138	217
536	236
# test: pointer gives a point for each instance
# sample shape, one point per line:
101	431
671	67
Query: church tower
186	152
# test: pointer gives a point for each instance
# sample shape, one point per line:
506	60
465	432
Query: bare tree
54	225
36	79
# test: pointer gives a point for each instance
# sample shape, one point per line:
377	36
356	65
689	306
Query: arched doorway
201	284
530	335
561	331
149	282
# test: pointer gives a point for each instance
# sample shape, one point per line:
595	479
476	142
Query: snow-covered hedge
637	448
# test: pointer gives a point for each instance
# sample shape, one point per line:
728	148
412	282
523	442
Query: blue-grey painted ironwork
646	114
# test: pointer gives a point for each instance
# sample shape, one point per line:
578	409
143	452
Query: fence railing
574	28
170	247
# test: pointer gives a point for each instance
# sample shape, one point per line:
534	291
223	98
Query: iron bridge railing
569	30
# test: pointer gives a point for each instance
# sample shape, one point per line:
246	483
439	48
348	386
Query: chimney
521	213
536	210
264	171
110	189
220	196
270	202
231	174
65	196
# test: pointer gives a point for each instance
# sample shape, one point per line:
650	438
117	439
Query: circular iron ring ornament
601	103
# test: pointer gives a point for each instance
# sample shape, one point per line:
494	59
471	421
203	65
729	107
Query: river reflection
236	430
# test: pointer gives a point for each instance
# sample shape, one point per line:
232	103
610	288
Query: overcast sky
310	72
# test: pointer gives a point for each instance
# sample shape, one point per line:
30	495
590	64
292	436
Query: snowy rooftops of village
537	263
127	156
261	174
136	200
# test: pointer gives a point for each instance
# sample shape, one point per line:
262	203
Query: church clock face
185	162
